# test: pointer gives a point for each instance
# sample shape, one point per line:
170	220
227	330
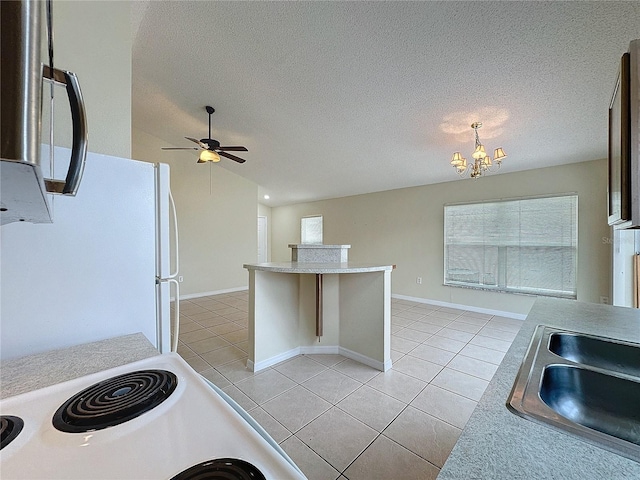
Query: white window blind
526	245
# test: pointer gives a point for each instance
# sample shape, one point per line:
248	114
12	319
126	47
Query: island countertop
497	444
310	267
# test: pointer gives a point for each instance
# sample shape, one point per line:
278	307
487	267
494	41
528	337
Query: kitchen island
497	444
349	315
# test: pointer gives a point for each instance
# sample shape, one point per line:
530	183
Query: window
311	229
526	245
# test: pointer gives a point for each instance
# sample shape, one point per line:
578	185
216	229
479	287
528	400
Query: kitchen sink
584	385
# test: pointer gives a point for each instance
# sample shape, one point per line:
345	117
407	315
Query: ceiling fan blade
232	149
232	157
180	148
202	145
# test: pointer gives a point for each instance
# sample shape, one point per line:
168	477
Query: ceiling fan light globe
208	156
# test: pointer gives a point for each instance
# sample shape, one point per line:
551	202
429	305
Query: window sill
487	288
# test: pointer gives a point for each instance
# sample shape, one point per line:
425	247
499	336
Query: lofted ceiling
342	98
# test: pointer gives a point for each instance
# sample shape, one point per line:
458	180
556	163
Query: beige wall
94	40
217	230
405	227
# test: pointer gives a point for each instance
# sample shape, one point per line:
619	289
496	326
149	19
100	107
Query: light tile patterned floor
339	419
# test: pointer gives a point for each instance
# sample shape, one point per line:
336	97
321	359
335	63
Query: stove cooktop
186	425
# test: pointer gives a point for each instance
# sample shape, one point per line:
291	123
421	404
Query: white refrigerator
105	267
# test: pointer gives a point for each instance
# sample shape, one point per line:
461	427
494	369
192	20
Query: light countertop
33	372
497	444
317	245
309	267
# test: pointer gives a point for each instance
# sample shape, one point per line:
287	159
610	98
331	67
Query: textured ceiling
341	98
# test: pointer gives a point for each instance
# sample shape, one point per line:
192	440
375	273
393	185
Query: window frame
303	229
503	288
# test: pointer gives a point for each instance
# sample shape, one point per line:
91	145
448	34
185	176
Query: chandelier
481	161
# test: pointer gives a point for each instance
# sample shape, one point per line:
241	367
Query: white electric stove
187	431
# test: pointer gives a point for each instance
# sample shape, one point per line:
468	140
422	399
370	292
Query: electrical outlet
419	280
180	278
604	300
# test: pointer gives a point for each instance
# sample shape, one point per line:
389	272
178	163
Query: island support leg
318	305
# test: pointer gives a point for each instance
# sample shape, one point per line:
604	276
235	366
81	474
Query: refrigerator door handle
166	251
176	322
173	275
175	236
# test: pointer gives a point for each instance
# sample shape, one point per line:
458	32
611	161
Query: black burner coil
221	468
115	401
10	427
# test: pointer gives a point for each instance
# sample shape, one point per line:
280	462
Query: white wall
218	230
94	41
405	227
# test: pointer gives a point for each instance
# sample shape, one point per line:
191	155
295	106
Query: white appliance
100	270
193	425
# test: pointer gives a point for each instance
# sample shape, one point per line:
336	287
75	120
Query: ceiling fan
211	149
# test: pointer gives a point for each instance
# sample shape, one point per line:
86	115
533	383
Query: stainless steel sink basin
584	385
607	354
595	400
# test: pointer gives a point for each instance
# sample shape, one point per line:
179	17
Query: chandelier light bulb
499	155
479	152
457	159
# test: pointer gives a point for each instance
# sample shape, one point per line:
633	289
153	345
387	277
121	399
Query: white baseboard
358	357
256	367
216	292
501	313
320	349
